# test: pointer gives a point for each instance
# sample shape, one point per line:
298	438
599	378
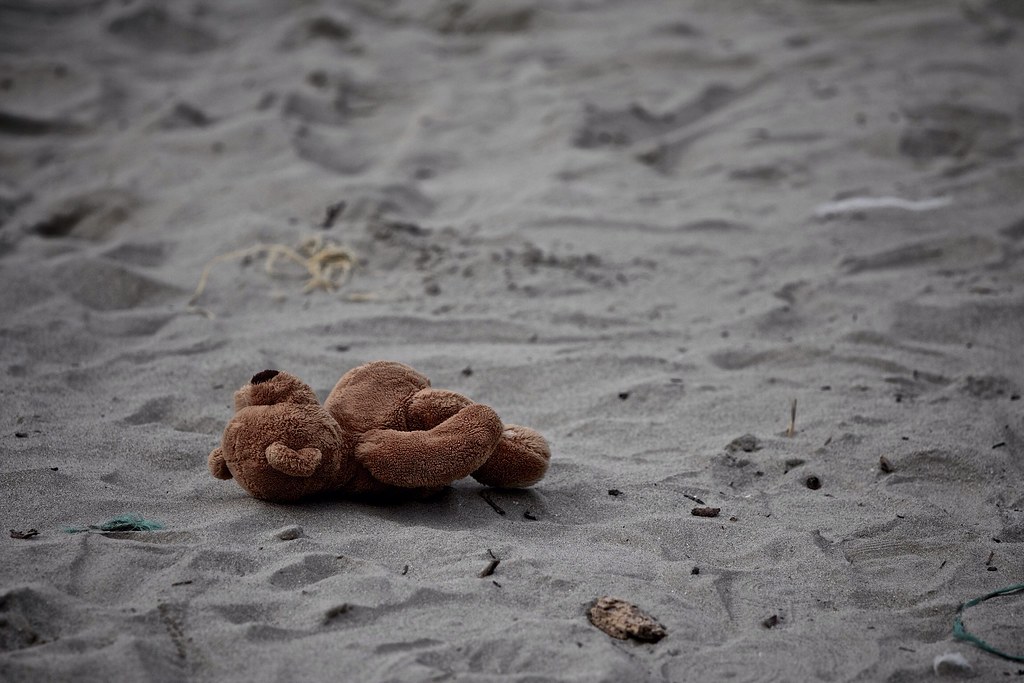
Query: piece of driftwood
622	620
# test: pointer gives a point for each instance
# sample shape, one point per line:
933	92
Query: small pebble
952	664
748	443
813	483
289	533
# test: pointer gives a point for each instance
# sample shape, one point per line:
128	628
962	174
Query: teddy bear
382	429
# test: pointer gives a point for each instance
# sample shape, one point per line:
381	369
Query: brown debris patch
620	619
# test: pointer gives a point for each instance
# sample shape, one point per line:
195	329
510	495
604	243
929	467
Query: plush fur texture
383	428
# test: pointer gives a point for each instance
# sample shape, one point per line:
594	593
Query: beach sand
644	229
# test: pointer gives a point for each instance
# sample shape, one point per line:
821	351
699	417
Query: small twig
337	611
491	566
497	508
182	583
792	419
705	512
991	555
695	499
24	534
333	211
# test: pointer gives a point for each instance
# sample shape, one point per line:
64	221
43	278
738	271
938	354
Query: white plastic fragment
867	203
952	664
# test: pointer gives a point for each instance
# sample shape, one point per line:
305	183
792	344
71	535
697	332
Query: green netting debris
127	522
961	633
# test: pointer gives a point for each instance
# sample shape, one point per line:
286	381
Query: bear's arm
296	463
436	457
430	407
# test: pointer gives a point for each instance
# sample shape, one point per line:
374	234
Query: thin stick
497	508
489	569
792	419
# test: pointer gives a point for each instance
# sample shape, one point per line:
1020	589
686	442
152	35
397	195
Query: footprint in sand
310	569
93	215
156	29
482	17
996	323
103	285
635	123
954	130
962	252
174	411
28	618
44	97
320	30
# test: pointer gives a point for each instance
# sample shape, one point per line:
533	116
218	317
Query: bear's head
281	444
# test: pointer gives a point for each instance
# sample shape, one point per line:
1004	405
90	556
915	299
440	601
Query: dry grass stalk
791	430
327	263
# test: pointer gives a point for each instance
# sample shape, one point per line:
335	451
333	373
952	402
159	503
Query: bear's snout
265	376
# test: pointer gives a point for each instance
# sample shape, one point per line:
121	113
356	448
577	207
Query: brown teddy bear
382	429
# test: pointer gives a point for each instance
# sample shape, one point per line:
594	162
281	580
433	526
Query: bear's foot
520	460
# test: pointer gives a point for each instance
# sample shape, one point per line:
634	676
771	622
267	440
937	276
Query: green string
119	523
962	633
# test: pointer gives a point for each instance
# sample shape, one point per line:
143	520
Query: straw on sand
327	263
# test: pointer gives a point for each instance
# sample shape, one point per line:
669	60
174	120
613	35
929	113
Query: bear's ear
265	376
270	387
218	467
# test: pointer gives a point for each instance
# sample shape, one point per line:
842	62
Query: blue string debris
961	633
125	522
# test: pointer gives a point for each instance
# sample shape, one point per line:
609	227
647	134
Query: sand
644	229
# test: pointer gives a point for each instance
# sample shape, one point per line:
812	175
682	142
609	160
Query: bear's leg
521	459
431	407
435	457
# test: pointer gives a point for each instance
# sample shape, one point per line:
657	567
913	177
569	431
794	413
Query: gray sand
646	228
